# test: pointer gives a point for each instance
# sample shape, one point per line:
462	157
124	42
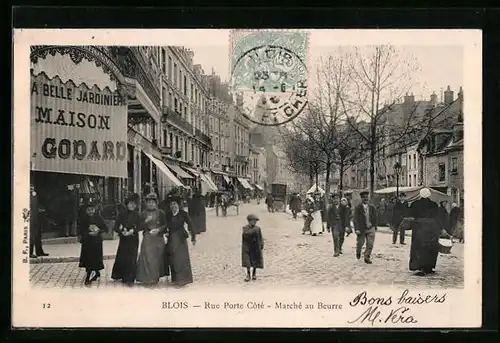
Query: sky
441	65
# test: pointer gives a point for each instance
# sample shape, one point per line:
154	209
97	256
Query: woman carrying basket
425	234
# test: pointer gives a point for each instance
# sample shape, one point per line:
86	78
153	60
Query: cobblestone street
291	259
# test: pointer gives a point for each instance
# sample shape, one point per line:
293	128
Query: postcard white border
117	308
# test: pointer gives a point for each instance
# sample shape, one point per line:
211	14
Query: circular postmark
270	85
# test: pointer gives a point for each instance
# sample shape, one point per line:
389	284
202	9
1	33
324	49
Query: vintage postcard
247	178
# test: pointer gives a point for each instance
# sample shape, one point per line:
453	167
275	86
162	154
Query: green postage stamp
269	74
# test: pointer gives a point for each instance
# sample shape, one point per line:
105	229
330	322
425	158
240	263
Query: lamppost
397	171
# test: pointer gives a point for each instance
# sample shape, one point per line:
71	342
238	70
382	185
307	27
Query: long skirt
177	260
424	244
91	253
125	265
317	224
150	262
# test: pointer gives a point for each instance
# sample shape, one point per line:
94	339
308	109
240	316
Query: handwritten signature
374	315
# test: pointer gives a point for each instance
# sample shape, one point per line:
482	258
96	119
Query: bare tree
379	76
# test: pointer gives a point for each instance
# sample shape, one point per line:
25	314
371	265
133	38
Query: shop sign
77	130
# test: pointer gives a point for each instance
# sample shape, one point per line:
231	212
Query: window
164	95
185	85
171	141
442	172
175	74
454	165
192	153
163	61
185	110
170	68
164	142
409	161
175	104
415	180
180	78
186	149
414	161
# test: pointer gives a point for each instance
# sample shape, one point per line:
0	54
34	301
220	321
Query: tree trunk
311	176
341	177
373	150
327	178
317	177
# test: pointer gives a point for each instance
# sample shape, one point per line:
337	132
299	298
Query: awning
259	187
193	171
244	183
205	181
411	194
315	188
178	170
211	182
163	167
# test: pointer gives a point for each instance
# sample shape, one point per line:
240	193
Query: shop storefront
78	134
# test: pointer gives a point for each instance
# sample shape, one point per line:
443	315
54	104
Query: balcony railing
133	64
176	119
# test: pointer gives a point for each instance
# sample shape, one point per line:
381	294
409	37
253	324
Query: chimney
434	98
409	99
448	96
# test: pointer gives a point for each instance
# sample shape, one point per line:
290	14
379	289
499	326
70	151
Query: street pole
397	186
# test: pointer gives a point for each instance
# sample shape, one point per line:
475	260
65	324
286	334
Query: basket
445	245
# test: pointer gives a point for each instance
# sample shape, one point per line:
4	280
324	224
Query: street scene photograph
272	159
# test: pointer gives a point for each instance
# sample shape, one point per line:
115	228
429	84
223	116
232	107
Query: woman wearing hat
425	234
251	247
127	226
150	262
90	227
177	263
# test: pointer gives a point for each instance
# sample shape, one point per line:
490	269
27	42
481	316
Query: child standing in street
251	248
91	226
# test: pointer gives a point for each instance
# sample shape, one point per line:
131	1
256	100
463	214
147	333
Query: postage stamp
269	74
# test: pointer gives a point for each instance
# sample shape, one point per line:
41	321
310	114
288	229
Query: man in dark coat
400	211
197	212
365	225
295	205
270	202
36	248
455	217
338	221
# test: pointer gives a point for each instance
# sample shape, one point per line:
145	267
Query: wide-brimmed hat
252	217
174	198
132	198
151	196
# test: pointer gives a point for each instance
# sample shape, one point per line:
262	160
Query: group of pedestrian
428	222
164	248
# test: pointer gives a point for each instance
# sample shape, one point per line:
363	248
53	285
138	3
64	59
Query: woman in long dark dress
150	262
177	261
425	235
251	247
127	226
197	212
90	228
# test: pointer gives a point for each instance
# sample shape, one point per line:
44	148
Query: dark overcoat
251	247
197	213
125	265
91	255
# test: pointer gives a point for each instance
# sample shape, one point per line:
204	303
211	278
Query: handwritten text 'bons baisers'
389	310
